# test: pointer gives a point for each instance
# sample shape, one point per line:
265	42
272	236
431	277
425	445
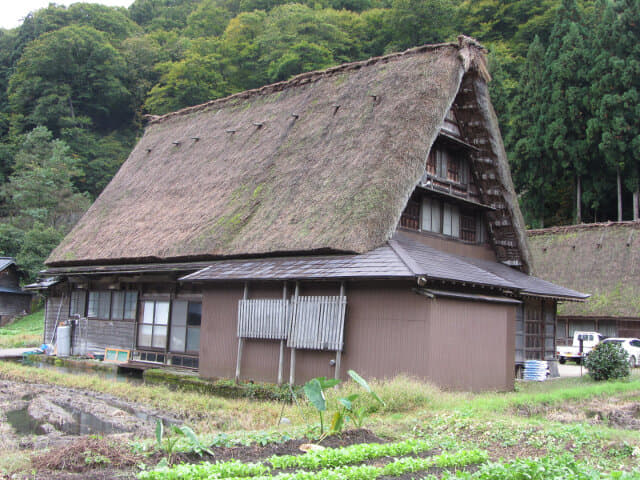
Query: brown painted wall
482	251
388	330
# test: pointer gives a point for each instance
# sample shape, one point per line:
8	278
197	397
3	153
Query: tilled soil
93	458
615	412
56	415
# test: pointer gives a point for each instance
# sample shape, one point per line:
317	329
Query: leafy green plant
314	391
169	443
607	361
358	415
92	458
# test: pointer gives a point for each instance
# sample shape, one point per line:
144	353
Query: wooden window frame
187	327
468	227
127	295
410	217
73	304
140	323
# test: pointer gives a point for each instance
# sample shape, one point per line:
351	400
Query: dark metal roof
436	264
128	268
528	283
13	291
379	263
401	258
43	284
6	262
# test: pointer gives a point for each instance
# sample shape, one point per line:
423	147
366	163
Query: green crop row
564	467
237	470
335	457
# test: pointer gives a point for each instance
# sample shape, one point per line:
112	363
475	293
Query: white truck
572	352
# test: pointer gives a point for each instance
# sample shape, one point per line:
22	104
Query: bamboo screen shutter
315	323
263	318
318	323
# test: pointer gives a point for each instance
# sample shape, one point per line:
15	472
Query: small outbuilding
361	217
600	258
13	300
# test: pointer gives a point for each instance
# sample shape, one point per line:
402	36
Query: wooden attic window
411	216
450	124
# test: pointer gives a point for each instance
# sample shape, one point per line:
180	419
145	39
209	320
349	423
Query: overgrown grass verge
207	413
24	332
221	388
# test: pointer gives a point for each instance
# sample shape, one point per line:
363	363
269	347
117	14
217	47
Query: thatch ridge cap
464	42
582	226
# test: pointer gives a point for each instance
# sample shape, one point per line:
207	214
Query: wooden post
292	366
619	185
579	199
339	352
245	296
281	358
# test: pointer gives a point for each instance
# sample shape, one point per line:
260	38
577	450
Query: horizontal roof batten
424	188
525	293
186	279
443	135
468	296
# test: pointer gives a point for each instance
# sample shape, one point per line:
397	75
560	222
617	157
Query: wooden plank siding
57	310
389	330
110	333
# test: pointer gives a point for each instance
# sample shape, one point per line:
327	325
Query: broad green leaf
189	433
363	383
337	422
313	391
159	431
327	382
346	402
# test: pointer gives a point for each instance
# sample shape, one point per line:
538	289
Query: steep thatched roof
323	162
602	259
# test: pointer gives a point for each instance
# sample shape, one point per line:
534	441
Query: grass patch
207	413
508	426
222	388
24	332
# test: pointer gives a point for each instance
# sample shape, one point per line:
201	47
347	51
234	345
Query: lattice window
468	228
453	169
534	334
411	216
432	163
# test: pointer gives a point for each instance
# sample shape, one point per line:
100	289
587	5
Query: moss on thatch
323	162
601	259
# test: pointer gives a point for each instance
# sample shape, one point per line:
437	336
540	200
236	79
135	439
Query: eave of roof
401	258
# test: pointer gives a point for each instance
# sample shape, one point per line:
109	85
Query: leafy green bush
607	361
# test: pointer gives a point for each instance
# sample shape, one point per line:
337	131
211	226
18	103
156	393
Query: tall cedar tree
615	95
567	65
531	170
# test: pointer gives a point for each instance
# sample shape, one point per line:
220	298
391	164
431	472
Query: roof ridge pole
292	364
282	340
245	296
339	352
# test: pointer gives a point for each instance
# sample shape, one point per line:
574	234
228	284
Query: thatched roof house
359	210
602	259
325	162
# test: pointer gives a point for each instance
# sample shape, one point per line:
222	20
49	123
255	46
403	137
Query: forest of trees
76	82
